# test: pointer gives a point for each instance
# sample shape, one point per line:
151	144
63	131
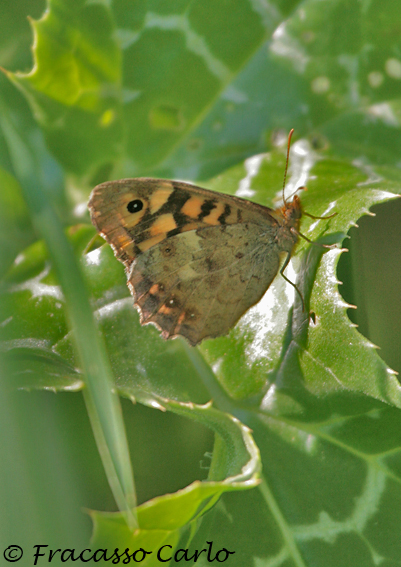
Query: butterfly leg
294	231
321	218
287	260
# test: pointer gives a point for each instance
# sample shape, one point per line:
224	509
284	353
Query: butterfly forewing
135	214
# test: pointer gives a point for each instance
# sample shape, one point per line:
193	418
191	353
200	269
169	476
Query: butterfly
195	259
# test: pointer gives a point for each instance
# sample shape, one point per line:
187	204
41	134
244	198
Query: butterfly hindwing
189	286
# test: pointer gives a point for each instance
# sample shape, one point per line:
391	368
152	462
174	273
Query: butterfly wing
212	281
195	260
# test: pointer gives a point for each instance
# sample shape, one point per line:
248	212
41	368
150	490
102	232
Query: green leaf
74	85
33	363
187	90
16	230
253	352
175	61
306	377
101	399
15	32
235	467
325	493
252	355
329	490
236	88
331	71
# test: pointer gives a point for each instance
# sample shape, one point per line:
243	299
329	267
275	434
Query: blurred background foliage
186	90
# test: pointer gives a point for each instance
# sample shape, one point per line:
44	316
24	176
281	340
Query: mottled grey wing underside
198	284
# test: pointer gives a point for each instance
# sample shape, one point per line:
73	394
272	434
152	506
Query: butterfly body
195	259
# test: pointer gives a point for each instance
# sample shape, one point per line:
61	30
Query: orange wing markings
192	207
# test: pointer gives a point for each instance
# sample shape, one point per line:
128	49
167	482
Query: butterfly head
289	221
292	211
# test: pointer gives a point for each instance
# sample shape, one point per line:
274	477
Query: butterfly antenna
303	188
286	163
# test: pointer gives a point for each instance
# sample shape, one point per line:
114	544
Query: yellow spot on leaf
107	118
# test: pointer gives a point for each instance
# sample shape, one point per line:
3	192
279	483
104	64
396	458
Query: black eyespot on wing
167	250
135	206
